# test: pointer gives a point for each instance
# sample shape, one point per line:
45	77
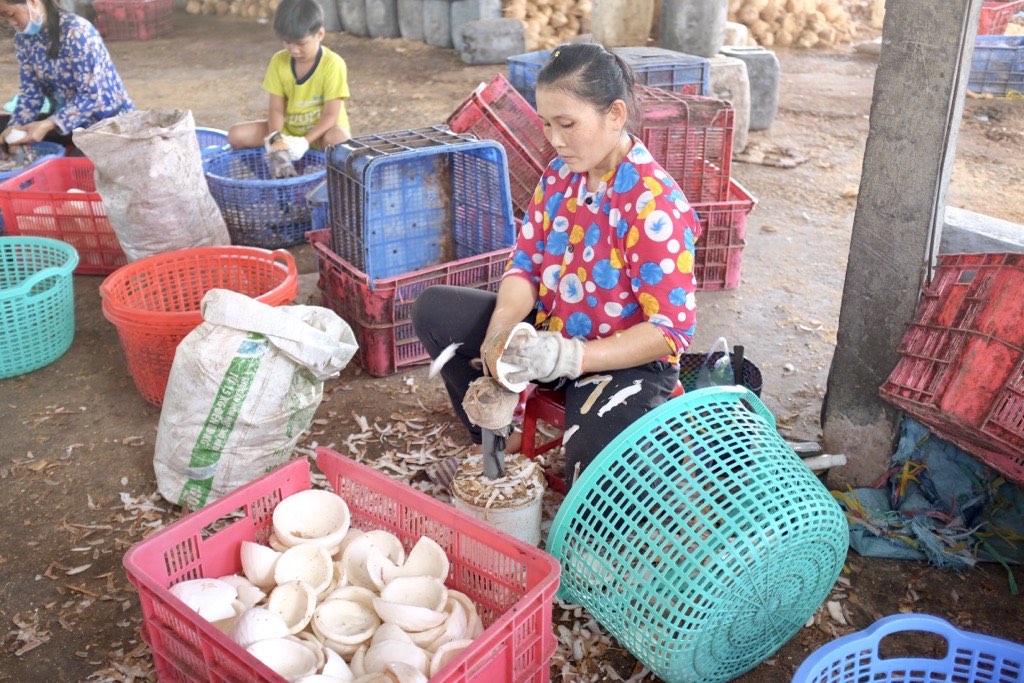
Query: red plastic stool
549	405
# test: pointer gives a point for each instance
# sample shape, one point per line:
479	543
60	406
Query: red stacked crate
961	367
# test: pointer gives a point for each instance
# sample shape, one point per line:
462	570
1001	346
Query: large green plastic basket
699	539
37	303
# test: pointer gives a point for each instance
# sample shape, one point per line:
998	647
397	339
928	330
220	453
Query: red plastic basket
719	254
691	137
154	302
133	19
961	367
58	199
512	583
996	15
380	312
496	111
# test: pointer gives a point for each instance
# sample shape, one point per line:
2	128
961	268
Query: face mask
33	26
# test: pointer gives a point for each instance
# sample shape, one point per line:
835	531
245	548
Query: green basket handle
46	273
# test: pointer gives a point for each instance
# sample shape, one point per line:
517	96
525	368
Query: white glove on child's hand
297	146
543	358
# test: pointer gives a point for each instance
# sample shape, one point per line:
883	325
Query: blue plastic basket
212	140
411	199
969	657
37	302
699	539
653	66
44	152
262	211
997	65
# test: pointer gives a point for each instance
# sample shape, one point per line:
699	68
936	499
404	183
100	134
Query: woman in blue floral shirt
60	56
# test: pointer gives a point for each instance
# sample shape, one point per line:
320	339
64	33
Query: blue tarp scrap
937	503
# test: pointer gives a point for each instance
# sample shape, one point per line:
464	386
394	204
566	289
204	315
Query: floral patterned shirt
605	261
81	81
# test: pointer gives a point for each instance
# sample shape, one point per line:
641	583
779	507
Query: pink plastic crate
996	15
719	255
380	310
512	583
133	19
58	199
496	111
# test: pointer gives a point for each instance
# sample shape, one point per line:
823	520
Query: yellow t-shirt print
305	101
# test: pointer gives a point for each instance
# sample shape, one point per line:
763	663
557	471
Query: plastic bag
243	388
719	373
149	173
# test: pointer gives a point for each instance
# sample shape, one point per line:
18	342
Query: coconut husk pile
550	22
254	9
794	23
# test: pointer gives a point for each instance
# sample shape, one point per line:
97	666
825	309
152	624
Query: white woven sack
243	388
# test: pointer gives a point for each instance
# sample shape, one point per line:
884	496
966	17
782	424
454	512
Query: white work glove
279	156
297	146
544	357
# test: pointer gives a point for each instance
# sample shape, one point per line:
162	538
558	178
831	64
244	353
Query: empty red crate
512	583
691	137
496	111
133	19
58	199
380	312
996	15
719	253
961	367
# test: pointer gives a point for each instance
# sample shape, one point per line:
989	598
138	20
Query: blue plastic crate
44	152
969	657
260	210
654	67
997	65
411	199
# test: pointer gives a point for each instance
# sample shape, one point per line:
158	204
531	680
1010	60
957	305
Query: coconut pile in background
795	23
550	22
253	9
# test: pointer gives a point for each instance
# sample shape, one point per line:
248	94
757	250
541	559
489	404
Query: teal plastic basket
37	303
699	539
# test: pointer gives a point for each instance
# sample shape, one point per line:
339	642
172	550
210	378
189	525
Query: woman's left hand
37	130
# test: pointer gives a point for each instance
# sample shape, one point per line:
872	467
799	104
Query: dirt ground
77	479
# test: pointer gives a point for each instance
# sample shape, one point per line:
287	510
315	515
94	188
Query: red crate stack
58	199
961	367
496	111
133	19
380	310
691	137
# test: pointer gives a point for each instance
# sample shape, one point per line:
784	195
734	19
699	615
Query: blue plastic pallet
997	65
654	67
411	199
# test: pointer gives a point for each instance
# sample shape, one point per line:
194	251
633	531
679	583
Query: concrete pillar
696	27
915	114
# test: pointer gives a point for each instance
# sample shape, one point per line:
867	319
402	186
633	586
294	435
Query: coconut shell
490	405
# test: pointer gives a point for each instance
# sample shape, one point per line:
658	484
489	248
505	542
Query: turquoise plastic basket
699	539
969	657
37	303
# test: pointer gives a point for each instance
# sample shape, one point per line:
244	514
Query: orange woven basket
154	302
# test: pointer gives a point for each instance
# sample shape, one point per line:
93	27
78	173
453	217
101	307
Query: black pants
443	315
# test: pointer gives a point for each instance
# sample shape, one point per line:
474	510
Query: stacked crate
961	367
691	137
407	210
654	67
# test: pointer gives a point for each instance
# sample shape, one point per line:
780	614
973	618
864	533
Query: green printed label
220	422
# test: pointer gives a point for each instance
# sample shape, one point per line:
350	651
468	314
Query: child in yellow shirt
307	83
